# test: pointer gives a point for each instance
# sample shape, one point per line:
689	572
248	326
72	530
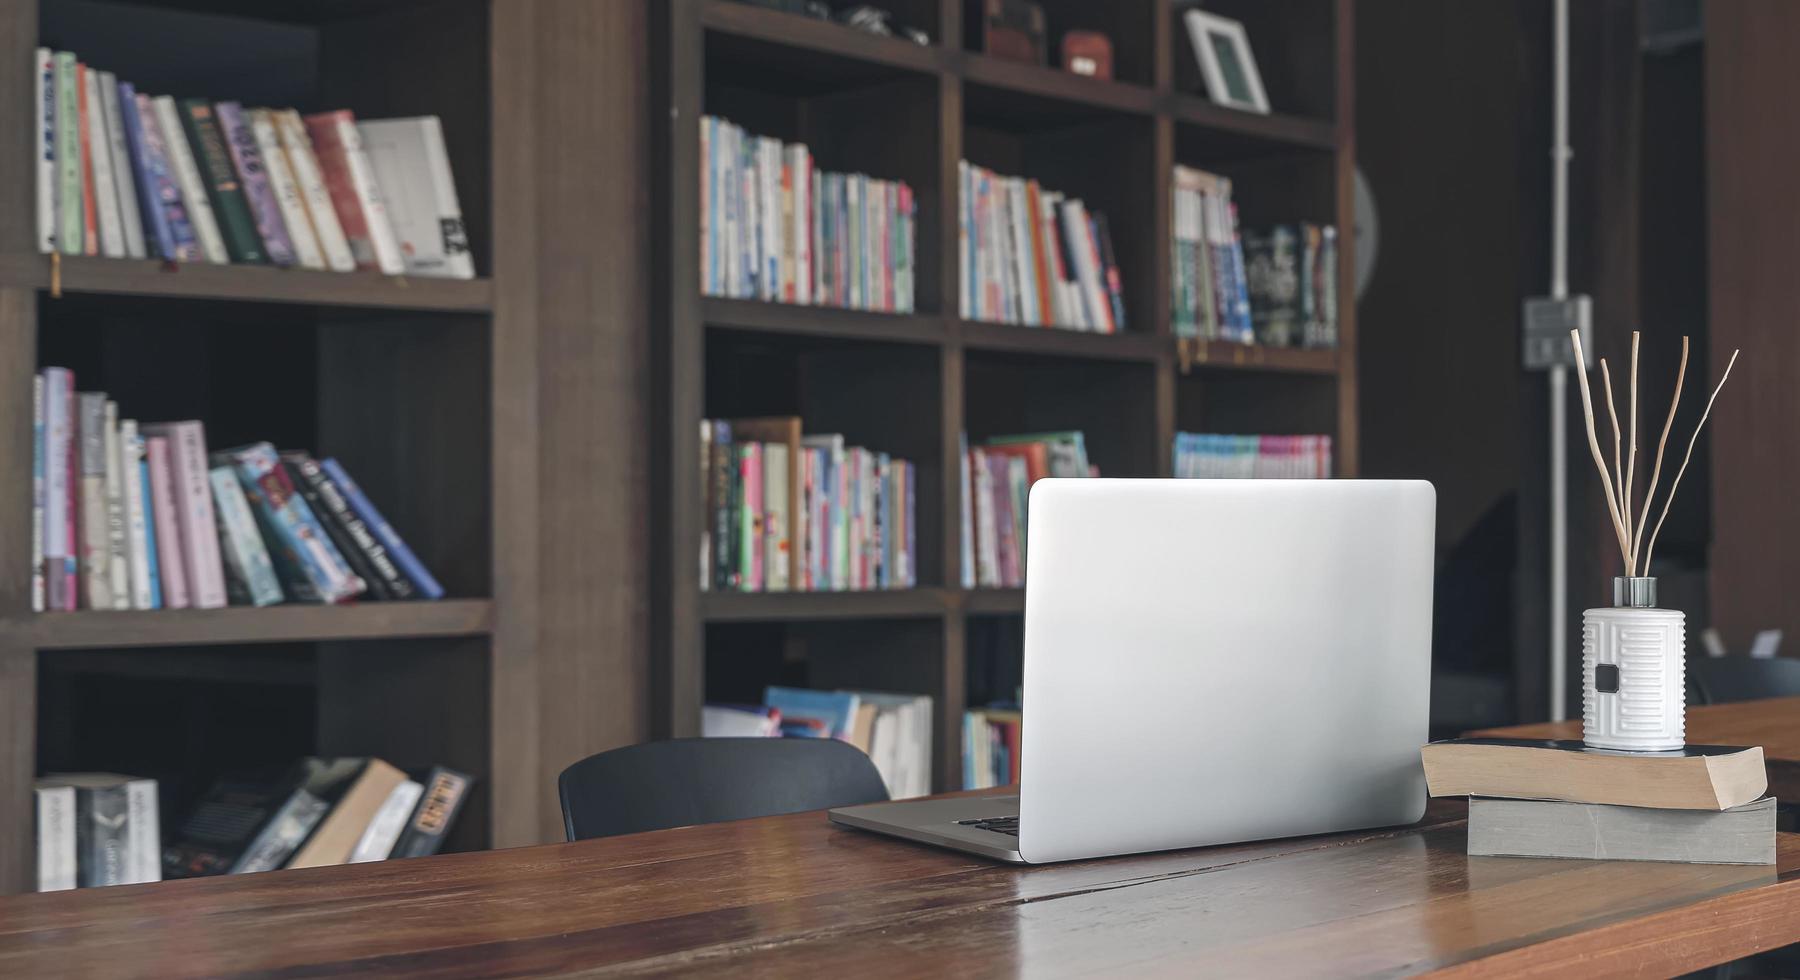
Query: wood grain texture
1752	124
1773	723
267	284
796	896
244	624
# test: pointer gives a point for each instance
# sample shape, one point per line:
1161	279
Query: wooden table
1773	724
795	896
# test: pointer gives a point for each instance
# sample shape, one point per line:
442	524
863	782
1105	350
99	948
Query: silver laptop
1208	661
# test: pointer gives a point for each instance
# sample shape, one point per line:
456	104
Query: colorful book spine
44	157
96	558
70	225
146	510
295	530
224	188
101	188
90	221
61	479
192	487
131	217
194	195
165	214
165	523
250	575
253	176
38	586
355	194
298	148
118	540
286	190
384	532
367	555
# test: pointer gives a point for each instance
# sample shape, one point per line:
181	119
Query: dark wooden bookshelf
925	379
442	397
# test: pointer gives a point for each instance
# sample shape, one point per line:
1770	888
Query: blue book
397	549
156	219
156	599
316	571
837	709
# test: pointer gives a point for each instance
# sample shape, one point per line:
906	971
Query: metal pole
1559	380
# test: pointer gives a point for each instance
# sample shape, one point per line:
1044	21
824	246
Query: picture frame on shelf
1227	65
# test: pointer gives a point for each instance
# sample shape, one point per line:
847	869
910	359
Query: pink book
753	509
199	535
168	535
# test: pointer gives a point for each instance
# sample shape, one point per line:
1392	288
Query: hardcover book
378	839
101	183
286	190
253	176
139	547
249	574
356	789
197	201
244	825
118	541
1700	777
96	554
352	536
355	194
412	168
57	858
165	215
70	208
38	585
364	508
297	146
191	488
446	790
123	172
1743	834
165	523
294	528
44	155
226	191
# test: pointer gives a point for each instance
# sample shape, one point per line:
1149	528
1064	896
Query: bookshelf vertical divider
1301	165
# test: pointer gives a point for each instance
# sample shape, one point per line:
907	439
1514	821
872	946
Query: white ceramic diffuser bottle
1633	672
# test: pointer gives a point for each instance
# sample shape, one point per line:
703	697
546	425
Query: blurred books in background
894	730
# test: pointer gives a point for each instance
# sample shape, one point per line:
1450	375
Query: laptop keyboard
999	825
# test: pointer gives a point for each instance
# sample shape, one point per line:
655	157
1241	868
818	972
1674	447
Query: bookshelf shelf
1056	342
894	111
273	624
815	48
140	277
743	607
757	316
1218	355
1249	131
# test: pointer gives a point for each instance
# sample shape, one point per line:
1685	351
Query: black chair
1722	680
688	781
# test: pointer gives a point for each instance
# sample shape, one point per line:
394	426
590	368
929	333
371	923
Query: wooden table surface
1773	724
796	896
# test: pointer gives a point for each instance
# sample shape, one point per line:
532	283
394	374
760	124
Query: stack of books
997	479
991	747
786	512
97	829
129	175
1291	272
894	730
1222	457
320	812
1033	256
775	227
1559	799
129	516
1275	286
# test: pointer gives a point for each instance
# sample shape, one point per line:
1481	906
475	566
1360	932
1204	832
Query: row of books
1707	804
1274	287
775	227
783	511
997	478
894	730
129	175
1034	256
990	749
130	516
1209	456
98	829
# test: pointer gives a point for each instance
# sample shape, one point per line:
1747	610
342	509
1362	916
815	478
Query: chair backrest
682	782
1725	679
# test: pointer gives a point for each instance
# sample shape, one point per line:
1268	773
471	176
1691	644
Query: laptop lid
1209	661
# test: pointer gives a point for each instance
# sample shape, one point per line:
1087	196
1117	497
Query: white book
367	187
117	549
187	174
297	149
1093	294
137	522
45	125
412	167
129	214
91	509
106	192
378	839
286	190
55	838
143	833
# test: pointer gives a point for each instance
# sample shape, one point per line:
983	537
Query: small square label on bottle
1606	678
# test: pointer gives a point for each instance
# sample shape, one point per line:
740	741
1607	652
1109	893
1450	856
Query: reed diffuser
1633	654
